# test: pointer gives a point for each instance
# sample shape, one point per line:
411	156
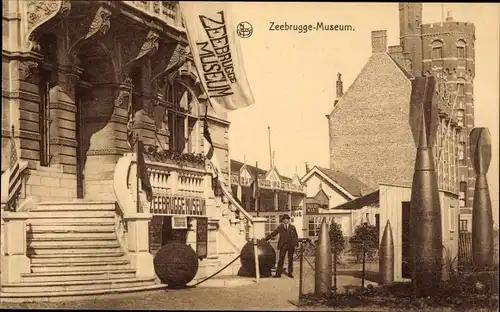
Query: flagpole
270	149
257	191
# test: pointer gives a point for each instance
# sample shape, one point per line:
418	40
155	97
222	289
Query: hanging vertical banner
216	53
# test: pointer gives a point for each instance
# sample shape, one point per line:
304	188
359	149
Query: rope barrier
209	277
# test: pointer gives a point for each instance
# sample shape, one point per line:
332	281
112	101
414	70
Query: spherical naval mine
267	258
176	264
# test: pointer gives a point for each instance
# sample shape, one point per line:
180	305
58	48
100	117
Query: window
461	52
464	226
270	225
461	88
313	227
461	154
437	50
437	53
180	124
463	193
460	117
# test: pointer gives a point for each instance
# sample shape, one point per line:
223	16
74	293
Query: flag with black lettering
216	53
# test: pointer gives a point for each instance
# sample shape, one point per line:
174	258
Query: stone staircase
74	249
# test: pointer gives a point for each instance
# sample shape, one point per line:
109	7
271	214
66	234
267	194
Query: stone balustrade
177	190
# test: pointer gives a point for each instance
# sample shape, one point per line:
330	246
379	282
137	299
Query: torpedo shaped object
386	256
425	216
323	265
482	215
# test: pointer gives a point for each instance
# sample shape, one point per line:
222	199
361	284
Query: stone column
258	227
289	201
138	244
191	234
213	248
14	259
63	119
101	120
21	107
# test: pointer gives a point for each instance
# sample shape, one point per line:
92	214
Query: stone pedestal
138	244
14	260
259	227
213	248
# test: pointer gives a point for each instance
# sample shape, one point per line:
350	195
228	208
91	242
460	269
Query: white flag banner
216	53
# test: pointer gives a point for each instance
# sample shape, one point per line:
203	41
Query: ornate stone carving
100	23
39	12
174	63
26	69
150	45
69	82
156	6
123	97
99	26
65	7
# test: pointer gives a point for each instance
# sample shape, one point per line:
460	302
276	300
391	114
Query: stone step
91	224
56	249
69	220
70	214
58	296
77	286
77	275
76	206
80	266
69	242
74	235
76	257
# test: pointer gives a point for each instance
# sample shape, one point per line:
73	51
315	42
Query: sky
292	75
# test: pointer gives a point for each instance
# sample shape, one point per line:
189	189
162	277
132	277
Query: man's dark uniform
287	242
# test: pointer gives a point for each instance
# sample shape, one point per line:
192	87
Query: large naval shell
425	218
482	216
386	256
323	267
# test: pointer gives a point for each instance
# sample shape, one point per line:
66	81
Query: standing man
286	244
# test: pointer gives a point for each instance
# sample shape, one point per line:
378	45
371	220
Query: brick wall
370	135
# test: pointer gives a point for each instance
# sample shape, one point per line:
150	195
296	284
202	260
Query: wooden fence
465	248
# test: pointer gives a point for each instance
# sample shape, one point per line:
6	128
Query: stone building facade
373	115
70	70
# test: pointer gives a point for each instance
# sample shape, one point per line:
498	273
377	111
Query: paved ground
269	294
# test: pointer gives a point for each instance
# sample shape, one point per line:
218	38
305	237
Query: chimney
379	41
307	167
449	18
340	88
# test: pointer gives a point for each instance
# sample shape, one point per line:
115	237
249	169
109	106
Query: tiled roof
349	183
236	166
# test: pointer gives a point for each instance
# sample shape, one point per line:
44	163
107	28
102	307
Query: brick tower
445	50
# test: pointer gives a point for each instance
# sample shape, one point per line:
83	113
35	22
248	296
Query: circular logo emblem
244	29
